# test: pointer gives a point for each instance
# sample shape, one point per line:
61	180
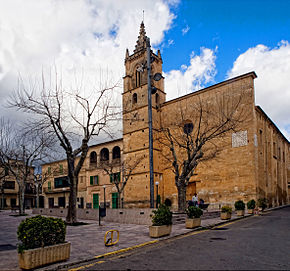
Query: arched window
93	158
135	99
104	155
138	79
116	152
157	99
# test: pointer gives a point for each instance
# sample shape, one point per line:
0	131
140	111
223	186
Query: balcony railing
47	190
60	172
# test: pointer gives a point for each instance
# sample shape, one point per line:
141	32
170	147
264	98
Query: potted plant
42	242
251	204
240	208
262	204
193	217
161	222
226	212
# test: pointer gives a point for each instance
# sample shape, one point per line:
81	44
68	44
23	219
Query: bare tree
196	135
19	151
119	175
73	116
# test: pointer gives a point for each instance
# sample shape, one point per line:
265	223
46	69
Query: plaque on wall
239	139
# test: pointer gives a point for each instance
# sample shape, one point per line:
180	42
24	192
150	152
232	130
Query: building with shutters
252	163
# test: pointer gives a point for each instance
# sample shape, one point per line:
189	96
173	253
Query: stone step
179	218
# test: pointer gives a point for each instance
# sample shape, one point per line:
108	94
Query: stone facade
252	162
9	190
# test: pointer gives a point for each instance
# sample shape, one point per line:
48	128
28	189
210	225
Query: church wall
231	175
273	161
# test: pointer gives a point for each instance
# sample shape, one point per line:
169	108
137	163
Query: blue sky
232	26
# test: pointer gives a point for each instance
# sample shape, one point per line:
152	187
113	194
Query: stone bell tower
135	121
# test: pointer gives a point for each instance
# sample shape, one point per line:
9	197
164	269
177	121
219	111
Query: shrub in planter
262	203
162	216
161	222
193	217
227	209
193	212
37	233
251	204
240	207
226	212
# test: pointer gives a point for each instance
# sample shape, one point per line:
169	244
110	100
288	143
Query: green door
114	200
95	201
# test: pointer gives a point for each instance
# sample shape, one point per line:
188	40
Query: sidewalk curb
61	266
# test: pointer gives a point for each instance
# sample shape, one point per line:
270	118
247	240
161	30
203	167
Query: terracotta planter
225	216
191	223
32	258
158	231
240	212
250	211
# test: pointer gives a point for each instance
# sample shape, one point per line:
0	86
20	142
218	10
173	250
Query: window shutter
91	180
49	185
60	169
119	176
111	178
97	179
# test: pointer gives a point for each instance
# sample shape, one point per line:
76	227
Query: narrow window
157	99
138	79
135	99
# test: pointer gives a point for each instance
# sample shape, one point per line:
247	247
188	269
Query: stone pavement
87	241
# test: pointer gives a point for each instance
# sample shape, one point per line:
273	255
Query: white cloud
78	37
185	30
191	78
272	87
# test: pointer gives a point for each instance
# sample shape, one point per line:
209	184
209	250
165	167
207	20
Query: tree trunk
181	197
37	195
2	198
119	200
72	209
21	199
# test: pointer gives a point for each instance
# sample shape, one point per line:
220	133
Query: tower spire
141	42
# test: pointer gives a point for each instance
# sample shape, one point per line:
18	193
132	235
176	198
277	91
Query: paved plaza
87	241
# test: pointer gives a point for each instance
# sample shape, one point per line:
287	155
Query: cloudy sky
202	42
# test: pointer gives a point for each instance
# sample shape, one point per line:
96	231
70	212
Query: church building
249	161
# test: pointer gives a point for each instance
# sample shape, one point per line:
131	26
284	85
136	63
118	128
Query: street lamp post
156	183
104	196
151	91
148	48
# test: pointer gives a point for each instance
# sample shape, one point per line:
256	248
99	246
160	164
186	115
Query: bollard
110	242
